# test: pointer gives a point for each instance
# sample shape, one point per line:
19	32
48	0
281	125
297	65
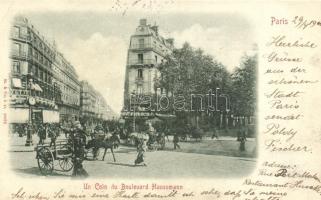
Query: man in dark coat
175	141
78	139
41	134
53	136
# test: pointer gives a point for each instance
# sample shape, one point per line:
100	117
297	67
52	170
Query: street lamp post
134	120
227	106
31	103
216	105
216	96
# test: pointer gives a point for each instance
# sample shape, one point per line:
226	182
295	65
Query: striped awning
36	87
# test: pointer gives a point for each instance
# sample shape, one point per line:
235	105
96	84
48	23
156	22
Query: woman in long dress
142	147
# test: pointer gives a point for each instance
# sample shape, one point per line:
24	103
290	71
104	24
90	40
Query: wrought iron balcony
141	61
141	46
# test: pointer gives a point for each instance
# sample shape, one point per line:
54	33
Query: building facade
147	49
66	79
94	107
44	86
31	75
88	100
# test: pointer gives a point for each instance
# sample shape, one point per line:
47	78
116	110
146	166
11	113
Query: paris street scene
104	95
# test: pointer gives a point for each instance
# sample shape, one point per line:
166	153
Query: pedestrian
167	132
142	147
244	133
242	144
175	141
52	135
25	129
215	134
79	142
239	135
41	134
20	130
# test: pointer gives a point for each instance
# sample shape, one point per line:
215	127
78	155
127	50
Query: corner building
146	51
31	75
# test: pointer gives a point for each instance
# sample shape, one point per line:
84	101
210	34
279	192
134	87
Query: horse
106	143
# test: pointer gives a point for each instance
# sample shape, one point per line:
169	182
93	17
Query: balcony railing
141	46
156	47
141	61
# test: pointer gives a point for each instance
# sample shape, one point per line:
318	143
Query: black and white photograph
138	95
171	99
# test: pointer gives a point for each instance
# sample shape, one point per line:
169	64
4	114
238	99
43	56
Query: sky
96	43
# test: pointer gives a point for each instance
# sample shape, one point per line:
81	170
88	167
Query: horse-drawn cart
48	157
156	142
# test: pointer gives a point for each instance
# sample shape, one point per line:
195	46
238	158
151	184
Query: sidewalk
17	144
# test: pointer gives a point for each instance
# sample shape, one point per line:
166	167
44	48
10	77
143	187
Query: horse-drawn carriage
102	140
48	156
154	141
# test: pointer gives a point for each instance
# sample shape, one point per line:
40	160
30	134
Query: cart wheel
66	164
45	161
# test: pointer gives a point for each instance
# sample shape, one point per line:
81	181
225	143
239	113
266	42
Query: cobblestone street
195	159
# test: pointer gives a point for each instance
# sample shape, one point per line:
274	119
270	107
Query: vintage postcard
173	99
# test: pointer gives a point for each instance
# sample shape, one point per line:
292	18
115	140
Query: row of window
40	73
37	71
38	56
141	60
70	99
156	45
140	74
69	95
68	110
23	32
64	78
19	49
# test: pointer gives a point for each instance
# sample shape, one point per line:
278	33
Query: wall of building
145	41
93	104
31	69
39	70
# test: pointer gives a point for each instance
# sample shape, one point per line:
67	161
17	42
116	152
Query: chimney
143	22
155	28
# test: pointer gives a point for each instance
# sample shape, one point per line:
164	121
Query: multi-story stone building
66	79
146	51
88	101
94	107
103	110
31	75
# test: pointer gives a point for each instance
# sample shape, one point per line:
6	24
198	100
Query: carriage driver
79	142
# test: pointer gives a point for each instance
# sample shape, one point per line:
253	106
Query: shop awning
19	115
36	87
16	83
50	116
166	116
